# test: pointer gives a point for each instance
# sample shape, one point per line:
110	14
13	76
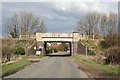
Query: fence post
86	53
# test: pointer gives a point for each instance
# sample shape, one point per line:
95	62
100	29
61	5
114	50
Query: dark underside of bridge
58	53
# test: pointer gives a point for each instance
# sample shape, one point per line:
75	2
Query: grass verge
7	69
14	67
106	68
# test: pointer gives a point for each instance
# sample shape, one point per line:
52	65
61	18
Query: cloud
60	0
87	6
58	16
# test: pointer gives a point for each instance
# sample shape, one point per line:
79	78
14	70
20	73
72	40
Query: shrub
90	52
55	50
112	55
104	44
18	50
110	40
6	53
49	50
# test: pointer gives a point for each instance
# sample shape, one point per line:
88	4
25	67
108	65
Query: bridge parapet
75	35
57	35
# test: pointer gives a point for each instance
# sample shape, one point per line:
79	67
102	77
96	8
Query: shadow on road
59	54
67	55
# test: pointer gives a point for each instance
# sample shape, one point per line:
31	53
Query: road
51	67
59	53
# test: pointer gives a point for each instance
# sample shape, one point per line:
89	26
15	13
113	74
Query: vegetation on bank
105	53
14	66
104	67
107	50
93	46
104	28
13	47
14	55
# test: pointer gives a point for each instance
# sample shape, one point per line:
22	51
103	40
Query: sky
58	16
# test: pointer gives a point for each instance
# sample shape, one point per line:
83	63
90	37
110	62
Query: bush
18	50
110	40
6	53
49	50
112	55
55	50
104	44
90	52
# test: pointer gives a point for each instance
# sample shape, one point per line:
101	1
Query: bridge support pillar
74	47
76	37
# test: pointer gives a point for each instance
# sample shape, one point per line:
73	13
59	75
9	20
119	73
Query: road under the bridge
51	67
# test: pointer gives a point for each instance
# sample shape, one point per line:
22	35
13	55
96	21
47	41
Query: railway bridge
71	38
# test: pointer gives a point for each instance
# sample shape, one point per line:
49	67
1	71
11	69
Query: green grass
10	68
106	68
89	43
92	44
14	66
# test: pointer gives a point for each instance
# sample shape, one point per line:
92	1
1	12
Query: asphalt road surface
51	67
59	53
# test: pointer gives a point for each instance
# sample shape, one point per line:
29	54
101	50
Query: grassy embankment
7	69
106	68
15	64
12	67
92	44
97	50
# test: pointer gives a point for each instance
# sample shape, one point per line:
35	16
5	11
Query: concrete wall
81	49
76	38
31	50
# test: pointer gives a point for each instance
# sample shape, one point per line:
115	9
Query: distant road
51	67
59	53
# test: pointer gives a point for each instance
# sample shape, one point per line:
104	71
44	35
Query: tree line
24	23
21	23
94	23
106	26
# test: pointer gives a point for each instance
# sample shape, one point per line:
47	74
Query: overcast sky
58	16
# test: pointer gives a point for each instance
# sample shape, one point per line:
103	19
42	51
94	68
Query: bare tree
89	23
93	19
80	27
112	22
13	26
103	26
25	23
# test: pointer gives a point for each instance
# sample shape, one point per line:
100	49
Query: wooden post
86	54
